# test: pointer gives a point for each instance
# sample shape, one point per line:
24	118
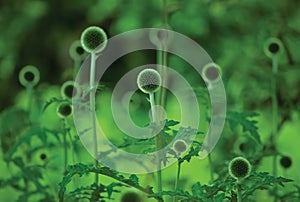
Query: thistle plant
93	40
149	82
180	147
211	73
64	110
239	168
78	54
273	48
29	76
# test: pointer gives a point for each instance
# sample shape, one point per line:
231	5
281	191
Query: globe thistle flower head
93	39
64	110
239	168
273	47
70	90
180	146
149	81
76	51
286	162
211	73
29	76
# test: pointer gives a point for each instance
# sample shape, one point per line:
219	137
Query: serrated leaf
134	178
263	181
236	118
194	151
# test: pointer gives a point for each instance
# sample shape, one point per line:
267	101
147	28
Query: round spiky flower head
70	90
180	146
161	36
131	197
273	47
29	76
211	72
64	110
285	162
239	168
93	39
149	80
76	51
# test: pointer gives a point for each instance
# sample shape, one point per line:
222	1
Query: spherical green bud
64	110
285	162
180	146
239	168
161	37
273	47
43	156
70	90
211	72
149	80
93	39
76	51
29	76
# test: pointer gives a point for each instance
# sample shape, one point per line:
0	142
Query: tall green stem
65	147
165	13
29	90
161	60
239	193
211	168
177	179
92	108
275	118
152	105
157	143
76	68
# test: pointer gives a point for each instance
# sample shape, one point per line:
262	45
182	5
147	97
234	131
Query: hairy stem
92	108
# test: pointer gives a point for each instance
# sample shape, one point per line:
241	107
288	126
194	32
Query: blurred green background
233	32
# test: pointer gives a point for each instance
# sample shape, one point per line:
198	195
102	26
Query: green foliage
243	119
81	169
242	37
223	189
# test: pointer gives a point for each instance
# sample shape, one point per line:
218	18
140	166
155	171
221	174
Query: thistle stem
275	118
29	90
92	110
77	64
65	145
71	140
152	104
210	168
157	143
239	193
165	13
177	179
